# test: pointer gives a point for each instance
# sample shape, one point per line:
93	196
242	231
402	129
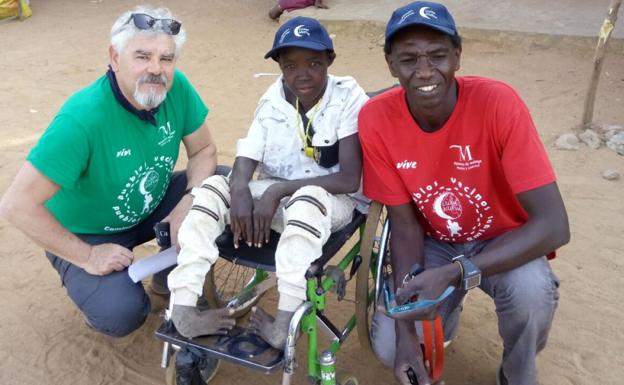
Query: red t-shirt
464	177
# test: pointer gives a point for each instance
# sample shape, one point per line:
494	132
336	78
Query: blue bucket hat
425	13
302	32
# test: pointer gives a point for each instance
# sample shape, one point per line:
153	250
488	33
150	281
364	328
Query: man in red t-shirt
470	194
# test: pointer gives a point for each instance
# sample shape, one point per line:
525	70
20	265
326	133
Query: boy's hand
264	211
241	216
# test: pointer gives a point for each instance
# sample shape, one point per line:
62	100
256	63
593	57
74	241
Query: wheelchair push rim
367	276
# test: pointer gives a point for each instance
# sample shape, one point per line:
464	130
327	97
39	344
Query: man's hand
409	367
320	4
264	211
429	284
241	215
105	258
177	215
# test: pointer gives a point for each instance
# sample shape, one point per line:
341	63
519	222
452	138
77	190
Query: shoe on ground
500	377
208	368
193	367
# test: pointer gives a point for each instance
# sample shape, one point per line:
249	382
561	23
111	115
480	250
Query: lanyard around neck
305	134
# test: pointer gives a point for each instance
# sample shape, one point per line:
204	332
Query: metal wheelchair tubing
164	359
310	327
363	292
338	337
309	321
303	311
383	243
167	347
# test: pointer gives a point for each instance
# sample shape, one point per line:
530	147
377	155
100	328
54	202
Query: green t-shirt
113	167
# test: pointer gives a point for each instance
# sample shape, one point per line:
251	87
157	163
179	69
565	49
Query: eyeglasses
144	21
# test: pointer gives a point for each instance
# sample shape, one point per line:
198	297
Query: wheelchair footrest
239	346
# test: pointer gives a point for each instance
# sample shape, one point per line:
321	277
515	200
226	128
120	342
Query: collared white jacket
273	139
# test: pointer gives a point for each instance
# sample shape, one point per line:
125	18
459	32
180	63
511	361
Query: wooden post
603	38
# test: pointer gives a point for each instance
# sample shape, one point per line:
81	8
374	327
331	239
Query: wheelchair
241	275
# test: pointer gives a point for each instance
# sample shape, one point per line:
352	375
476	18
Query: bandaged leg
204	222
308	218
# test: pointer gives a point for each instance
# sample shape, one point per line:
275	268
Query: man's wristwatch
470	273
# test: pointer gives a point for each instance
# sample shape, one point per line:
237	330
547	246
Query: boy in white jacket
304	138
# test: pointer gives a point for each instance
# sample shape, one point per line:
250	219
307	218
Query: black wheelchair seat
264	257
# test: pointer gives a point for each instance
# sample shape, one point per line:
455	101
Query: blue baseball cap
302	32
425	13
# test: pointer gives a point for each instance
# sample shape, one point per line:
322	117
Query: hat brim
314	46
440	28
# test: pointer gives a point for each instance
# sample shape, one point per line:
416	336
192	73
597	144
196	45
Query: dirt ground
63	47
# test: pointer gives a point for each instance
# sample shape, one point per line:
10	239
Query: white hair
124	29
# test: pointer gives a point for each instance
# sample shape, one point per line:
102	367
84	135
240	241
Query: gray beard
149	100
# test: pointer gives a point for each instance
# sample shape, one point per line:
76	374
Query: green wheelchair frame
363	257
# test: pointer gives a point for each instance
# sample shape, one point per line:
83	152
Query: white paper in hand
148	266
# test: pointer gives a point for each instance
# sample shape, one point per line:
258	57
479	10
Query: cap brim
440	28
314	46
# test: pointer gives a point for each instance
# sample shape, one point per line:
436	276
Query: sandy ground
43	339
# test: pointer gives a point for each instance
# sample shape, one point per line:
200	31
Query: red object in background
295	4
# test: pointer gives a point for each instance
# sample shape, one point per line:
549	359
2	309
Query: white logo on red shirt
406	164
466	161
455	212
447	206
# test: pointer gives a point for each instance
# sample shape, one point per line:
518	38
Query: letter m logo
464	152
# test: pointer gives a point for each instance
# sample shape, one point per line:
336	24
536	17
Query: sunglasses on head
144	21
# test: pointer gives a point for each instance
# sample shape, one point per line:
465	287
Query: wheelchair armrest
163	237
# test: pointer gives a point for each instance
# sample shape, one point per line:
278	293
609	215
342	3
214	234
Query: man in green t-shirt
101	176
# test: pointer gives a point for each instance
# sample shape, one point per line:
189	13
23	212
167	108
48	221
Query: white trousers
305	220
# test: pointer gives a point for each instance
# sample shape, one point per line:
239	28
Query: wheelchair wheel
372	243
224	281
